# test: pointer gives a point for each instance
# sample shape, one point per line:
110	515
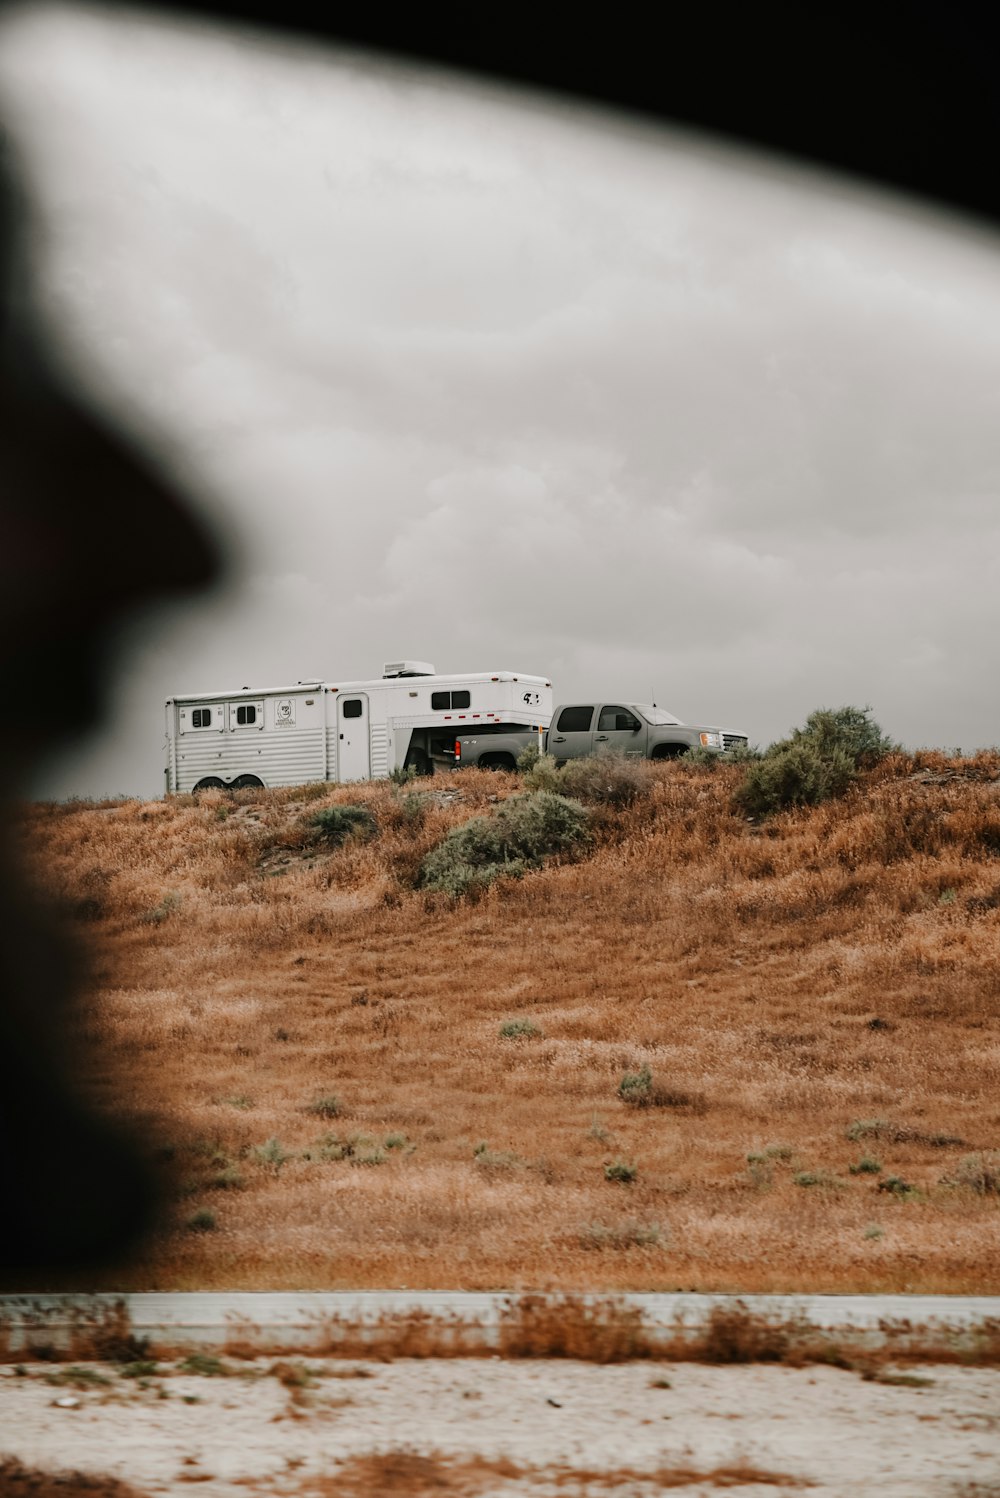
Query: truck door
572	735
353	739
620	730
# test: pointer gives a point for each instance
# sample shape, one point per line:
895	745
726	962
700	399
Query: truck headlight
711	740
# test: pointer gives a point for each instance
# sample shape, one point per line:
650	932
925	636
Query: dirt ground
474	1428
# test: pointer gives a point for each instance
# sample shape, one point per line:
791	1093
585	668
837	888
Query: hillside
347	1081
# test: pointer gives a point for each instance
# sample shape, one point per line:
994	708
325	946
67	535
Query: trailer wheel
210	783
416	759
246	783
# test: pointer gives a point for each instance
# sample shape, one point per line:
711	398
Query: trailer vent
407	668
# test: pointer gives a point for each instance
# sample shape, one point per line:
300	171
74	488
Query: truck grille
734	741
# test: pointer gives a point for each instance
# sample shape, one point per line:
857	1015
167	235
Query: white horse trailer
343	730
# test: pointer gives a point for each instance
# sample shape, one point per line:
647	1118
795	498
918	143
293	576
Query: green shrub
335	824
814	763
608	779
205	1364
796	776
203	1221
494	1162
272	1154
870	1128
542	773
848	730
628	1234
621	1171
413	809
636	1088
528	757
821	1178
896	1186
515	838
706	759
980	1172
519	1029
227	1179
771	1152
139	1368
328	1106
866	1166
402	775
364	1154
162	912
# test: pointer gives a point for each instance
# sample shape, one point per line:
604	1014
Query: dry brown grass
832	967
19	1481
425	1475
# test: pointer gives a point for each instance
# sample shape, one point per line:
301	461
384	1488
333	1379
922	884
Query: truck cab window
575	719
352	708
617	720
246	714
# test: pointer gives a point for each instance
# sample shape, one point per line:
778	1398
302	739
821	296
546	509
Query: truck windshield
658	716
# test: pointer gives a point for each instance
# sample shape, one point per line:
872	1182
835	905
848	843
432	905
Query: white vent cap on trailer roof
407	668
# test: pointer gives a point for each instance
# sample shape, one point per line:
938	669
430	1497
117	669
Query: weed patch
520	834
328	1106
622	1171
519	1029
333	825
979	1173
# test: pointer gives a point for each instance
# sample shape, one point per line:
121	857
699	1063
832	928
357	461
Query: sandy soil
267	1428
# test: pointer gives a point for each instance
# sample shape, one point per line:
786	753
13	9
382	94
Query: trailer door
354	741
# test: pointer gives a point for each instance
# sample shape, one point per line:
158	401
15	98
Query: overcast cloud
476	380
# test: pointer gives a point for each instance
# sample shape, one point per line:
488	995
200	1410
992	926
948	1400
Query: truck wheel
670	751
497	762
210	783
246	783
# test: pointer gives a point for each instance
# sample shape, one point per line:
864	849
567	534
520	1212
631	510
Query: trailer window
461	699
246	714
352	708
201	717
441	701
575	719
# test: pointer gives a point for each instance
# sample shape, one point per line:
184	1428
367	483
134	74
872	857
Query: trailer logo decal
284	712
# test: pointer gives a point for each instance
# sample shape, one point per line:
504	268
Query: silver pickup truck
632	728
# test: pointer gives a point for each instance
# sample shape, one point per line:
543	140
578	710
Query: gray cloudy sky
475	379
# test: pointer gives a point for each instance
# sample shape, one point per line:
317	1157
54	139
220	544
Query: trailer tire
498	762
417	759
246	783
210	783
